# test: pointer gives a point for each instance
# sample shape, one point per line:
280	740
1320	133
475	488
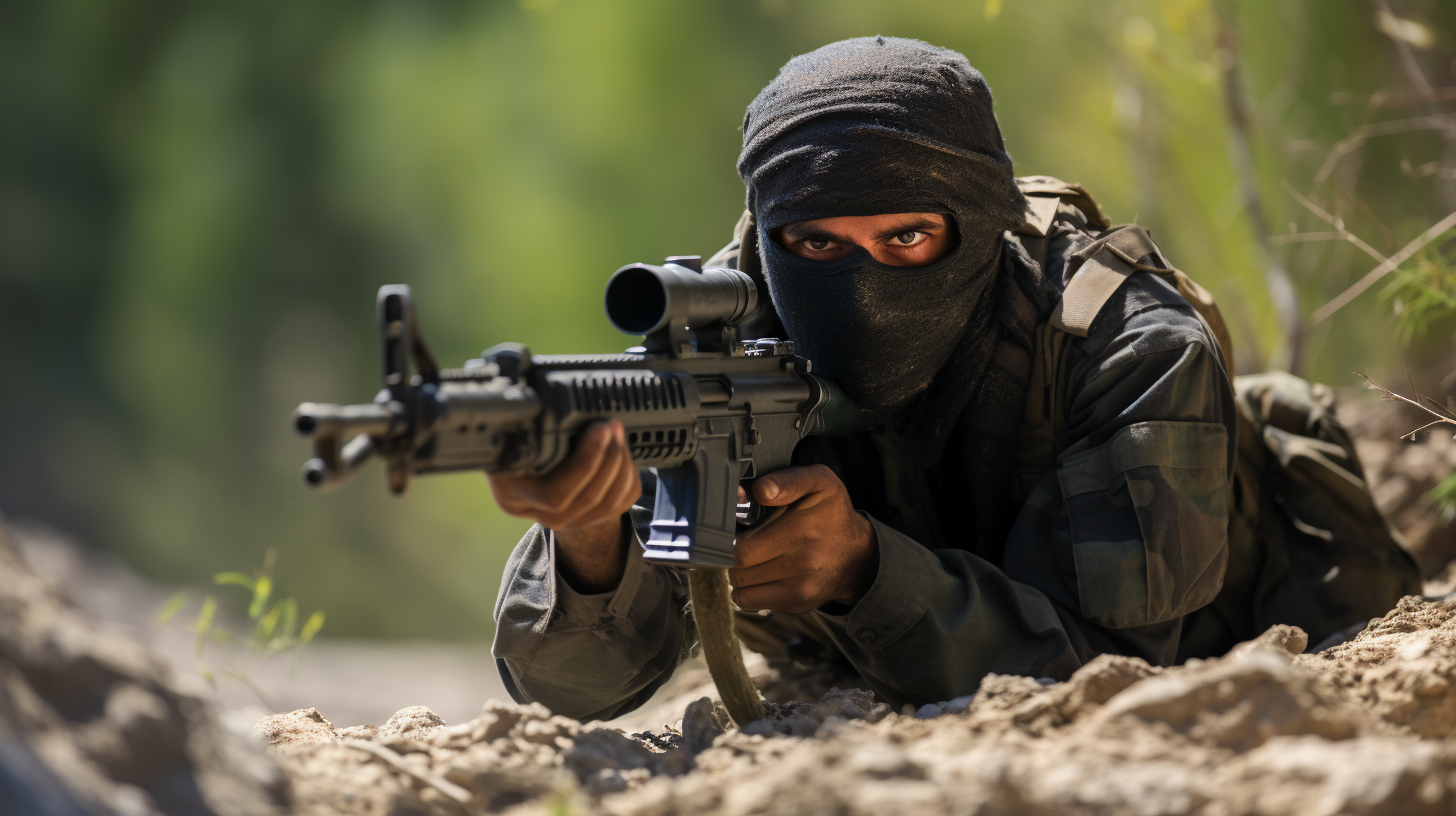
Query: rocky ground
1363	728
91	722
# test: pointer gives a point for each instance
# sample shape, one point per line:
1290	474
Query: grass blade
311	627
203	625
233	578
172	608
261	590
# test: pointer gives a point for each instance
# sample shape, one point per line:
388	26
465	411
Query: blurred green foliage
1422	297
198	201
274	629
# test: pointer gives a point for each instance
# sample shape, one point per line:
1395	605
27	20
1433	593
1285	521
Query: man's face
897	239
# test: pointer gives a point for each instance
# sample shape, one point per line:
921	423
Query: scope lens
636	300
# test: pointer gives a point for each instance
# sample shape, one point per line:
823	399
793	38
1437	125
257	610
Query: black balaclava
882	125
871	126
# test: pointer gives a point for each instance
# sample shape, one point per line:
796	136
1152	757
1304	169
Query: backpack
1307	545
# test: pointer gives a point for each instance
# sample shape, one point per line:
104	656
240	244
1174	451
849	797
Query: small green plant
1444	497
1421	295
274	625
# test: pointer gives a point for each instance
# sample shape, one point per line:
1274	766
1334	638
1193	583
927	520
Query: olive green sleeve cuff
588	610
896	600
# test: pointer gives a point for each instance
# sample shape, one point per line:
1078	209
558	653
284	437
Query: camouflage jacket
1123	532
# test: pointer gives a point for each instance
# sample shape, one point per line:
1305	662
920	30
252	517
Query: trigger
750	512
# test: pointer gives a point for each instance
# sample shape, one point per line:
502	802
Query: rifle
705	409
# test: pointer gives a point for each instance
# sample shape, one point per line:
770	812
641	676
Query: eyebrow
799	232
916	225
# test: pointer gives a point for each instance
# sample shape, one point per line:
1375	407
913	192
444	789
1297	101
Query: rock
1402	668
702	723
1239	702
303	725
92	718
414	721
958	704
929	711
881	761
605	749
1283	637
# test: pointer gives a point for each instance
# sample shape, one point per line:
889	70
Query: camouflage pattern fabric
1133	536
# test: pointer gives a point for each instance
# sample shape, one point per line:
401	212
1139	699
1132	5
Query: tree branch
1386	393
1334	221
1276	278
1389	264
1364	133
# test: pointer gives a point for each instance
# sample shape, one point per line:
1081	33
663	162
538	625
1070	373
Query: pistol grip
694	520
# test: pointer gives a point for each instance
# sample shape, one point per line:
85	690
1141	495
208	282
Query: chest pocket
1101	268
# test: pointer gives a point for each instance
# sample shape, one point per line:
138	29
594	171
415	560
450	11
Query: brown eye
818	244
907	238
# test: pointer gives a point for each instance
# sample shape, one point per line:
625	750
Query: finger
561	487
792	484
772	538
631	487
775	569
623	487
779	596
742	495
596	491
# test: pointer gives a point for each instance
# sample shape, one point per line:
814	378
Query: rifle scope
642	299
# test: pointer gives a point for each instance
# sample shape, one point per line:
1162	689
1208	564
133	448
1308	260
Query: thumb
791	484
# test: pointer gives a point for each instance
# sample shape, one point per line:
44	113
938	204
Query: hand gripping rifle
706	410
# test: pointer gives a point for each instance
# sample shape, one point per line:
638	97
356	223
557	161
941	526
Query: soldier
1053	474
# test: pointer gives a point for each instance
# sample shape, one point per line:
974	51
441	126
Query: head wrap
881	125
872	126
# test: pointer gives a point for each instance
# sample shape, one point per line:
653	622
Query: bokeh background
199	199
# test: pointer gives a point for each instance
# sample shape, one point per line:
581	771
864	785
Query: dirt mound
1362	728
91	722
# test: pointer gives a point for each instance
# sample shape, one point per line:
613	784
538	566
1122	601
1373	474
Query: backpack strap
1104	265
1110	260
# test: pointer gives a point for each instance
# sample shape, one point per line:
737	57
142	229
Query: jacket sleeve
1122	536
588	656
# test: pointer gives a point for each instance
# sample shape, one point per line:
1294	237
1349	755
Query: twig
1364	133
435	781
1394	98
1380	271
1305	237
1410	66
1281	289
1386	393
1334	221
1412	434
1441	410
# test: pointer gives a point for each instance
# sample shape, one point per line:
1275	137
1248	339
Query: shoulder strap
1107	262
1104	265
1046	197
